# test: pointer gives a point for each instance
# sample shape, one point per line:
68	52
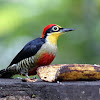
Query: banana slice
69	72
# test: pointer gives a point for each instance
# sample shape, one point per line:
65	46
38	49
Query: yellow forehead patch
59	26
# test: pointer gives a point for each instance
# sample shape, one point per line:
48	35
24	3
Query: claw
29	80
34	78
19	78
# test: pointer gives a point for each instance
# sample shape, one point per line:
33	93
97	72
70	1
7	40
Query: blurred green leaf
22	21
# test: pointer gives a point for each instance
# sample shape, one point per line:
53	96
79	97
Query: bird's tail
5	74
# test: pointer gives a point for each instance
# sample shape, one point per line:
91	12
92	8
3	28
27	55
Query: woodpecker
38	52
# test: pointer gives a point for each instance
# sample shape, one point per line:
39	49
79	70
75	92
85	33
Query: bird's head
53	31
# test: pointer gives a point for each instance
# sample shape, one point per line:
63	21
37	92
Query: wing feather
30	49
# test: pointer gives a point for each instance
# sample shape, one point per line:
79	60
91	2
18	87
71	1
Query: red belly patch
45	59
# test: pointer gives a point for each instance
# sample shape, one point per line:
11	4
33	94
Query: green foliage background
24	20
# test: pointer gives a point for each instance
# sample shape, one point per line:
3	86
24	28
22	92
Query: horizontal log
15	89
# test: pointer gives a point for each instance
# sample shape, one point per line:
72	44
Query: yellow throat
52	38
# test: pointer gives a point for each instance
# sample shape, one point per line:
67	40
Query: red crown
46	28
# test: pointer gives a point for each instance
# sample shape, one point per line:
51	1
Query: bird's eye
55	28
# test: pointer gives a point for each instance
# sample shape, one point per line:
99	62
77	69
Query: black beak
66	30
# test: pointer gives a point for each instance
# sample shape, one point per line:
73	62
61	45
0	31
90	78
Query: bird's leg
26	79
29	80
25	72
27	76
22	78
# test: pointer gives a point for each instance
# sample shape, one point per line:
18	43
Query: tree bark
15	89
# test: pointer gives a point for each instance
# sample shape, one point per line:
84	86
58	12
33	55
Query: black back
30	49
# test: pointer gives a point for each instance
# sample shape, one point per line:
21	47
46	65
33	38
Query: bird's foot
19	78
29	80
34	77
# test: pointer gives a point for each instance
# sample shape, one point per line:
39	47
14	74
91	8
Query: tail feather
5	74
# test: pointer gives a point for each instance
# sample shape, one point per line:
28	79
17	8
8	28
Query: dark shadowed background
24	20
